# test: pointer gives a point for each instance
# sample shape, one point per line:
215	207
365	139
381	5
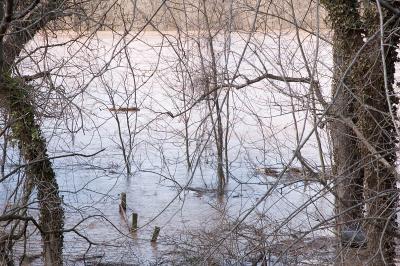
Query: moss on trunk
347	40
372	115
33	149
378	127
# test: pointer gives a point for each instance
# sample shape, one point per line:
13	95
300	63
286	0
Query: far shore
325	34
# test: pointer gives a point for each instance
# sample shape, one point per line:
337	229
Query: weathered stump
123	202
134	221
156	232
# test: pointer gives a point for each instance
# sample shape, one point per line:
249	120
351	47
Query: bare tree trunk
217	130
347	40
33	149
345	144
217	125
374	116
220	147
377	124
125	154
187	136
226	140
5	250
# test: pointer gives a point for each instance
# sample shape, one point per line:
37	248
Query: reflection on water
161	190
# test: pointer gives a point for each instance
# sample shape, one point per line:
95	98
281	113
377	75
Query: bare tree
20	23
347	40
299	115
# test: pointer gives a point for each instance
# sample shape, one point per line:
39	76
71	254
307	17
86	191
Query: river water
265	127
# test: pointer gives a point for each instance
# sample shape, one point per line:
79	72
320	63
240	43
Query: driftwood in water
267	171
123	109
88	258
201	190
294	174
274	172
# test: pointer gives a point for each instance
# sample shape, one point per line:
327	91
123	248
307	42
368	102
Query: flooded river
264	130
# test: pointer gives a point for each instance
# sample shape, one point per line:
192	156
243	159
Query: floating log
123	109
267	171
156	232
295	171
87	258
201	190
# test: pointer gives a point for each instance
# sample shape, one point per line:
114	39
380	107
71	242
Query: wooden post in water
134	221
123	201
155	234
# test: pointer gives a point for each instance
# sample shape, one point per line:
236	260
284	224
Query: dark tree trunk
347	40
14	97
217	124
5	250
220	147
377	124
32	147
371	158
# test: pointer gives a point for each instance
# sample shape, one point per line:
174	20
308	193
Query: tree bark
378	127
32	147
14	94
5	250
375	120
347	40
217	124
